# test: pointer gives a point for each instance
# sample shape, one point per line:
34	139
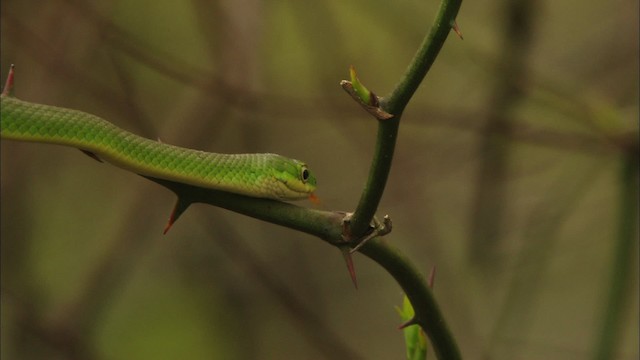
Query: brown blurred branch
490	196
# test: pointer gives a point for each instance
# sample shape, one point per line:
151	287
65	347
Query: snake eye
305	174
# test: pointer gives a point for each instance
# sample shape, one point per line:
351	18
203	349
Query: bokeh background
514	176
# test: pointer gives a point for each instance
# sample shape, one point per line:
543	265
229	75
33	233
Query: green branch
395	104
623	259
427	312
326	225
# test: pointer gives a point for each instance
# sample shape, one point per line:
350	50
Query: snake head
294	180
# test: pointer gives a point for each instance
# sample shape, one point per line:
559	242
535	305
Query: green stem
395	104
427	312
326	225
624	256
428	315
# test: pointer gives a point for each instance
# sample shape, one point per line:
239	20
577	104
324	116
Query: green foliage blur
508	176
414	338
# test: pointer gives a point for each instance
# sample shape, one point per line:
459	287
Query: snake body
269	176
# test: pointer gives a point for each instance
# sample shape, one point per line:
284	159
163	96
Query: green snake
268	176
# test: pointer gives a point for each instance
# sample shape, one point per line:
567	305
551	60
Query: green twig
427	312
623	258
428	315
394	104
326	225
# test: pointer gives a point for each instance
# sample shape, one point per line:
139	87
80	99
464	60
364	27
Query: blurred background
515	175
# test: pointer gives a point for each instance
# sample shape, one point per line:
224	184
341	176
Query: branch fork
376	228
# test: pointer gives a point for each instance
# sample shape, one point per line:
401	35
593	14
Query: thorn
457	30
91	155
378	229
349	260
432	276
411	322
362	243
8	86
172	219
178	209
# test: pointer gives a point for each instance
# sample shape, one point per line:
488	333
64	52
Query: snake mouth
297	191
